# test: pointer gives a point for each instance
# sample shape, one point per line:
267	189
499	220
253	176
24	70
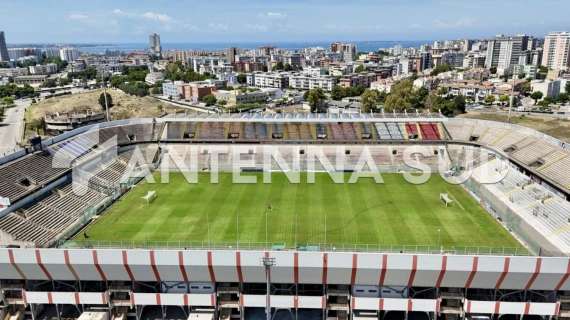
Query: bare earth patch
558	128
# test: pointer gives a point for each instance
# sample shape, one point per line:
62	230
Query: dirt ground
124	105
558	128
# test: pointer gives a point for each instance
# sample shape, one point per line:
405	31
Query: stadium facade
42	277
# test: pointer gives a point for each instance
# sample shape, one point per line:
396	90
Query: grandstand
335	274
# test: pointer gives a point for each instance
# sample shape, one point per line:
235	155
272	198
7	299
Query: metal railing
282	246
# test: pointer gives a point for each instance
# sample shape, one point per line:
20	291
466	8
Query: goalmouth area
281	214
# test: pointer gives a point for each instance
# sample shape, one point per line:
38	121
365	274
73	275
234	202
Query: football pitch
395	213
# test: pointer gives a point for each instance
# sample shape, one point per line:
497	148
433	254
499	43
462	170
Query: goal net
149	197
444	197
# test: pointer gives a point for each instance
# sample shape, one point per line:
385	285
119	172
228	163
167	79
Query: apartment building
49	68
347	50
308	82
556	52
355	80
503	52
268	80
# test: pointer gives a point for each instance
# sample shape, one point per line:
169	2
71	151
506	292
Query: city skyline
259	21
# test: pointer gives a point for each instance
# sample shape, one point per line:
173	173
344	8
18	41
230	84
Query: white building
153	77
503	52
235	97
268	80
556	53
304	82
549	88
68	54
528	70
314	71
172	89
51	52
49	68
384	85
13	72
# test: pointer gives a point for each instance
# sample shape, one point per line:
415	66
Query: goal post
150	197
444	197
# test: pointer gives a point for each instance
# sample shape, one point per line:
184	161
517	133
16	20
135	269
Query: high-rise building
3	49
503	52
556	52
68	54
347	50
154	44
231	54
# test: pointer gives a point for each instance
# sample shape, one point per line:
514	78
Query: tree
448	106
176	71
242	78
315	98
102	100
504	99
460	104
64	81
8	101
490	99
337	93
537	95
369	100
279	66
49	83
88	74
440	69
567	87
359	69
209	100
525	88
563	97
545	103
401	96
17	91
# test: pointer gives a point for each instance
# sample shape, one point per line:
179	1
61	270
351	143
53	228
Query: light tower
268	262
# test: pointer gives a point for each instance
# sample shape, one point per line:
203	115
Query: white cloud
77	16
160	17
190	27
461	23
257	27
120	12
218	26
149	15
272	15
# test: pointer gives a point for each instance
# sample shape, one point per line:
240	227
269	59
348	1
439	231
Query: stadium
146	219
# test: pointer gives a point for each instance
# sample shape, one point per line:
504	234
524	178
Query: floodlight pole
106	102
268	262
325	228
439	238
512	100
208	226
295	229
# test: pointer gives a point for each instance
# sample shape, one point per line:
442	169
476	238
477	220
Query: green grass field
394	213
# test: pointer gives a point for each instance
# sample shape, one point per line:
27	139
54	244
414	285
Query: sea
364	46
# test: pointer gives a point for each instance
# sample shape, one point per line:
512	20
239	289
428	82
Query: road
11	128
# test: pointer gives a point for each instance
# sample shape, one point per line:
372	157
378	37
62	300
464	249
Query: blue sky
271	20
